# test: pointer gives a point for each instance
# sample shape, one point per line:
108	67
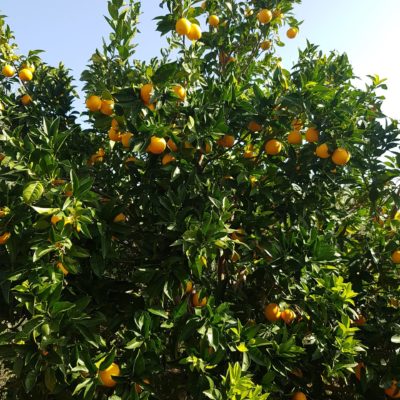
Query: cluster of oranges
96	103
273	313
25	74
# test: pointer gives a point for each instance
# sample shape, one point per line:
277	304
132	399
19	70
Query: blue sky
70	30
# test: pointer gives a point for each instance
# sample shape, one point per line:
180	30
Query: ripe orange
4	237
358	370
121	217
25	75
107	107
194	33
299	396
292	33
146	92
393	391
106	375
273	147
93	103
213	20
31	67
254	126
114	124
312	135
61	267
188	287
322	151
266	45
8	71
340	156
114	135
226	141
26	99
197	302
182	26
54	219
396	256
249	151
167	159
172	146
151	106
157	145
126	139
272	312
264	16
288	316
294	137
180	92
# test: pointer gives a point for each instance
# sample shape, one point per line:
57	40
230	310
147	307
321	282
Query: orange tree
219	228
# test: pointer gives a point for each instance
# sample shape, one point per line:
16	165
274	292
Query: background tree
221	228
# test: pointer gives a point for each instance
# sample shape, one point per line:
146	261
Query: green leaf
32	192
159	312
134	344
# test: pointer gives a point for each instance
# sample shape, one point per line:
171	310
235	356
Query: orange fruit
226	141
358	370
360	321
54	219
213	20
172	146
31	67
254	126
264	16
93	103
114	124
197	302
107	107
272	312
114	135
146	91
266	45
61	267
106	375
26	99
8	71
167	159
273	147
126	139
288	316
207	148
393	391
194	33
322	151
312	135
249	151
396	256
292	33
4	237
151	106
157	145
340	156
25	75
180	92
182	26
188	287
121	217
299	396
294	137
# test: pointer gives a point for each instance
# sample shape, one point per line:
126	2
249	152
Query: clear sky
70	30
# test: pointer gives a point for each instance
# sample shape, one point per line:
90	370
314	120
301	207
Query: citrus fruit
121	217
273	147
8	71
107	107
297	124
312	135
294	137
226	141
254	126
288	316
322	151
126	139
188	287
264	16
272	312
340	156
106	375
299	396
213	20
114	135
146	92
180	92
396	256
194	33
54	219
93	103
266	45
61	267
25	75
26	99
172	146
393	391
360	320
167	159
182	26
292	33
197	301
157	145
4	237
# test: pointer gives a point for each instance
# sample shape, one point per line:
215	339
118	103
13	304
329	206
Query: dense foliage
218	228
